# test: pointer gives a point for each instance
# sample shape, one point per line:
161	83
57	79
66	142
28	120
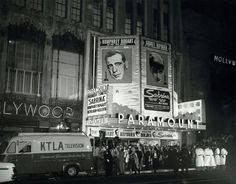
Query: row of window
74	10
61	7
24	70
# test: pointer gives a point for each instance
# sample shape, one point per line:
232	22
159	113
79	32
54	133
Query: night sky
209	30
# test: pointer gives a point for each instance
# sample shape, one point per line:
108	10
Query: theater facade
139	107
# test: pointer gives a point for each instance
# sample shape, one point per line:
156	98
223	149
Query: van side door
24	157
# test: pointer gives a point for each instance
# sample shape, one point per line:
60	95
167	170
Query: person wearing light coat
217	157
199	160
223	155
209	158
212	160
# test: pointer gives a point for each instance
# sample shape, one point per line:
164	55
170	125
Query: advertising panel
194	110
156	100
132	133
97	101
118	64
156	78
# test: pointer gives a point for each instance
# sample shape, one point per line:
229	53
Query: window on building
166	22
76	10
24	67
128	18
21	3
166	27
36	5
66	67
139	24
61	7
110	15
128	25
97	14
139	27
156	25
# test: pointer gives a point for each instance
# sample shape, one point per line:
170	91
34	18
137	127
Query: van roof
51	134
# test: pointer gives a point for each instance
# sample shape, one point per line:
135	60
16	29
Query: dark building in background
210	67
47	51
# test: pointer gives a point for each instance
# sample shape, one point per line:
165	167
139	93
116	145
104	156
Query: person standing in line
185	158
212	159
115	158
140	158
173	155
155	159
199	160
121	160
207	154
133	161
108	161
223	155
217	157
126	155
96	151
147	158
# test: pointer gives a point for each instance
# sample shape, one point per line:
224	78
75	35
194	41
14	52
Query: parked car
7	172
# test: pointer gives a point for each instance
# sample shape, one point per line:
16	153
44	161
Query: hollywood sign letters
43	111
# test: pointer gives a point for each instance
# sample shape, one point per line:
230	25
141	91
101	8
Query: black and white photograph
118	91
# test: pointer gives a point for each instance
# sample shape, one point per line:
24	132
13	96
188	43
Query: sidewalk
142	172
159	171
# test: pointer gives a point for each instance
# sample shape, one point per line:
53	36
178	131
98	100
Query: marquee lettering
158	121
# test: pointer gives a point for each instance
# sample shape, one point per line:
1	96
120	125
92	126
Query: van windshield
3	146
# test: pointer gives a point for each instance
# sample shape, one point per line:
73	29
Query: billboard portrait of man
157	69
117	66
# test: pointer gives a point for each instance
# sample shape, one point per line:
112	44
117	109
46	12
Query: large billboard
118	65
157	80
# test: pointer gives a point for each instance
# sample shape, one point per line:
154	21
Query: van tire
72	170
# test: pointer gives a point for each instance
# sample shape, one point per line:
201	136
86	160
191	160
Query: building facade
49	54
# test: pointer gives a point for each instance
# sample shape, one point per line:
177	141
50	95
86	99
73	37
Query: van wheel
72	170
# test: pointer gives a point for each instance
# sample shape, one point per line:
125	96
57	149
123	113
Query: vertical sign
118	64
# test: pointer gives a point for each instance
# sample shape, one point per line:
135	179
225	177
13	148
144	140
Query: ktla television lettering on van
34	153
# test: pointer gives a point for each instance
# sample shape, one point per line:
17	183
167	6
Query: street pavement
146	177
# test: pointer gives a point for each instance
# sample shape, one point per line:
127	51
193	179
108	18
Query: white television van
35	153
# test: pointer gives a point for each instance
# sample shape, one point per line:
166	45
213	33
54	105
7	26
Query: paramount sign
143	121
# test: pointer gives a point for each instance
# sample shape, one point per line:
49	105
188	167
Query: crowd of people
115	159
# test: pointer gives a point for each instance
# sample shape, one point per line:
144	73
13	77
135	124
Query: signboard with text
156	100
97	101
133	133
